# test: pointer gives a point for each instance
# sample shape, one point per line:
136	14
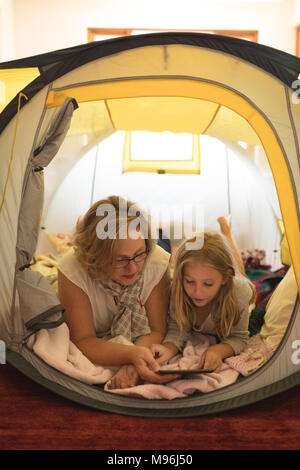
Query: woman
116	282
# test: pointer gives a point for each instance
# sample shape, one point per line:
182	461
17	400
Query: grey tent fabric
56	134
38	302
30	216
32	202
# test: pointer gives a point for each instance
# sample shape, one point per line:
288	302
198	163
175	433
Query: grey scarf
131	320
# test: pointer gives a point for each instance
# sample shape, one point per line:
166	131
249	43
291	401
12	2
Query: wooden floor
33	418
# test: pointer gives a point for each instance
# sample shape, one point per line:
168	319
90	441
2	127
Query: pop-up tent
194	83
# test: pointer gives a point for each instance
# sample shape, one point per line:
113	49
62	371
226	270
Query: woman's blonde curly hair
97	254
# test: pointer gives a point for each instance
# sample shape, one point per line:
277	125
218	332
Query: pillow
279	309
62	242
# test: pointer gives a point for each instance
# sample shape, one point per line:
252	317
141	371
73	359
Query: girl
209	295
112	285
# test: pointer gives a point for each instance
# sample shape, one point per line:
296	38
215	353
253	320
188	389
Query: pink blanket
253	357
184	387
56	349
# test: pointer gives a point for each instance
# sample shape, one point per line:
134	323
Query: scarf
131	320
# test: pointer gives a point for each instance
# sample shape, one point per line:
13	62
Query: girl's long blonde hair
96	255
215	253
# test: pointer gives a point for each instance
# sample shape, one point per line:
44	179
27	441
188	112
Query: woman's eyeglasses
123	263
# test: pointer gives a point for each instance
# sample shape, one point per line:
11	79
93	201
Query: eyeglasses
123	263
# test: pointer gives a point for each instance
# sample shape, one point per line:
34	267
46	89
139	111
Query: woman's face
126	273
201	283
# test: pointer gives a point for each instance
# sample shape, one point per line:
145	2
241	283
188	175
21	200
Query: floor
34	418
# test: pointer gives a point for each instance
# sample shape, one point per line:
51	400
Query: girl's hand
127	376
210	360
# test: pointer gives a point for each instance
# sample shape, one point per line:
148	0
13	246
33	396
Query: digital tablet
184	371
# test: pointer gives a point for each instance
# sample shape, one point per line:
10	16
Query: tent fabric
32	201
51	65
39	303
286	181
285	252
37	300
55	136
220	80
9	217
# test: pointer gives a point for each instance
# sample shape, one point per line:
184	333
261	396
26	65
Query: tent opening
247	141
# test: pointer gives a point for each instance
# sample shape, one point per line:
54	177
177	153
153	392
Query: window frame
241	34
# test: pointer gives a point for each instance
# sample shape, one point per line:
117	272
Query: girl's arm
239	334
212	358
236	342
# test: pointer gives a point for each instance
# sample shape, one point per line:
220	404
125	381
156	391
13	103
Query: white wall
42	26
7	49
296	12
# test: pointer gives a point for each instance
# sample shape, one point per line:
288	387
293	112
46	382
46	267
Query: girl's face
125	273
201	283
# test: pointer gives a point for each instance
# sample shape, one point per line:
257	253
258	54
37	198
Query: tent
181	82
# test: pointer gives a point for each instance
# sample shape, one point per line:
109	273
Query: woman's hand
127	376
146	366
162	353
210	360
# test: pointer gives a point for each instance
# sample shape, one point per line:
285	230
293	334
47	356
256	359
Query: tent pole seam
109	114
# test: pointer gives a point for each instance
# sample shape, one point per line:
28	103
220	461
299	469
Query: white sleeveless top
102	304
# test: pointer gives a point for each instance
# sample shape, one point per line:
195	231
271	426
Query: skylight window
161	152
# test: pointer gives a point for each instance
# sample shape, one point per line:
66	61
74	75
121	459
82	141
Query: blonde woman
209	294
116	282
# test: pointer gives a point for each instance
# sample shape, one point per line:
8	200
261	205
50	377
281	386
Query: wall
42	26
296	12
7	49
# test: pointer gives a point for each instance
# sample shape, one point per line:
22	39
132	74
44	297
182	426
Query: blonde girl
209	294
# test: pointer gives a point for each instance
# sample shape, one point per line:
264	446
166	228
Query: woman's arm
157	310
79	319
